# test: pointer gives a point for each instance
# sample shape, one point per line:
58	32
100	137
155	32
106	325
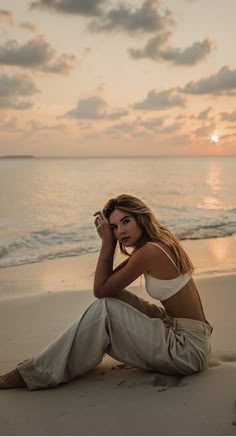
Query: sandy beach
40	300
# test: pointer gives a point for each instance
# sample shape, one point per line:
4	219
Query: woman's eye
126	221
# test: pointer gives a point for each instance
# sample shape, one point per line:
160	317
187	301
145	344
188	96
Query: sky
117	78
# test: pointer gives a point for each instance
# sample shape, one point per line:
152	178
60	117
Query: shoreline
211	257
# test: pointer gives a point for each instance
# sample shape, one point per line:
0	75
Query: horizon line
111	156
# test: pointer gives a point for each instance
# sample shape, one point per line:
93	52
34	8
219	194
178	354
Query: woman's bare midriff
186	303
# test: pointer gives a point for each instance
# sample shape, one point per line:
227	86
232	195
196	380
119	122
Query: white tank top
162	289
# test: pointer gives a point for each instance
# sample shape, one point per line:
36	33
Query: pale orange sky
99	77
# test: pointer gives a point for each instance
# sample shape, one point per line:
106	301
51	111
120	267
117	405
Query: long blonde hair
152	229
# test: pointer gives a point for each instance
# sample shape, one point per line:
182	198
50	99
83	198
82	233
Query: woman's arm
107	282
120	266
110	284
104	266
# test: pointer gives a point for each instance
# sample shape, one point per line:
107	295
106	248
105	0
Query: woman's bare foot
12	379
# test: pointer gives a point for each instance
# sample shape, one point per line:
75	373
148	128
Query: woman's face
125	228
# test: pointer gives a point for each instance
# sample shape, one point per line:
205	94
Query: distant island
17	156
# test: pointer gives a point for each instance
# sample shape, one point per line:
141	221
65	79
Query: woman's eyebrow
126	216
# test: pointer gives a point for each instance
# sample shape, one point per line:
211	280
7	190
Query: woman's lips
125	239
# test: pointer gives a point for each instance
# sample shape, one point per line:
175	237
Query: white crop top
162	289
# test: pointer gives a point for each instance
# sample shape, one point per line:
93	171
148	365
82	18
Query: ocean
47	204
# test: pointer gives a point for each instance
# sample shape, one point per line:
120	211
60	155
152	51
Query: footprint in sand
228	358
219	358
161	382
214	362
121	383
164	382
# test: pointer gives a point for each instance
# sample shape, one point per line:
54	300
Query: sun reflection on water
219	249
213	187
214	175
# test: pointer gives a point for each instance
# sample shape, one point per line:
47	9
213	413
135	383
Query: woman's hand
103	228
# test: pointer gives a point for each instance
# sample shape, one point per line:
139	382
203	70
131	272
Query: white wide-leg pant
128	329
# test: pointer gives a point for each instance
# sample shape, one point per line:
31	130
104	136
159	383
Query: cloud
143	128
94	108
8	16
131	129
146	18
221	83
36	126
228	136
62	65
225	116
178	140
170	129
157	49
152	47
81	7
160	101
203	115
36	54
9	125
15	88
27	25
123	128
205	130
152	124
156	125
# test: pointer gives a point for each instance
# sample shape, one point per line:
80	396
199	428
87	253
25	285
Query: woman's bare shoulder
162	256
146	249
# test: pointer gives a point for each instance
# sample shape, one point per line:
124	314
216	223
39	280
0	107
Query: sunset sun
215	138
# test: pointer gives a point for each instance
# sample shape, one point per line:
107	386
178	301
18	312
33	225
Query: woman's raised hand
103	228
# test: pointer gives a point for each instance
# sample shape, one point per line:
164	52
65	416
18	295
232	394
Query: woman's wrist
108	246
107	252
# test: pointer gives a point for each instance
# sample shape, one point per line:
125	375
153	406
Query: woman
172	340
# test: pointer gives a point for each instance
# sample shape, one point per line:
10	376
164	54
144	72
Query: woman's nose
120	230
